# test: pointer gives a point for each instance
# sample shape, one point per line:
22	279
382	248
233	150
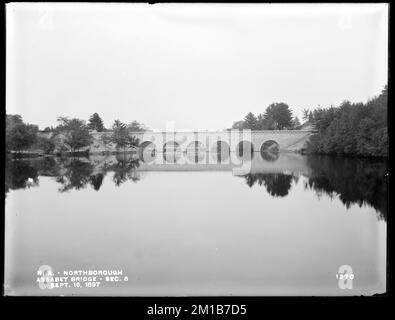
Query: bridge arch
220	146
147	151
270	150
196	146
270	156
196	151
171	151
171	146
245	149
270	146
220	151
147	144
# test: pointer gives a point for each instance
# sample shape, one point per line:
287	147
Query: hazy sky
201	66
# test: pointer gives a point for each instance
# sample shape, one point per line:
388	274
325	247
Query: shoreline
37	155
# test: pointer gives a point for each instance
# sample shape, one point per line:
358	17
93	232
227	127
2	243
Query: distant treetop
96	123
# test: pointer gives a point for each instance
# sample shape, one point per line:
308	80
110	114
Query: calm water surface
198	227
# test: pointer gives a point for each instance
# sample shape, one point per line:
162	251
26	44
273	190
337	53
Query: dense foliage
120	136
19	135
356	129
75	132
356	181
46	144
136	126
352	129
278	116
70	135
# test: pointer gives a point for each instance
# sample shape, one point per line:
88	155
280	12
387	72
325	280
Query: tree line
355	129
352	129
278	116
73	133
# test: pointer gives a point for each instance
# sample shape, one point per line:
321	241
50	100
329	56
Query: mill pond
183	228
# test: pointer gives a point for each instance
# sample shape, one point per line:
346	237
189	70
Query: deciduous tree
75	132
19	135
135	126
278	116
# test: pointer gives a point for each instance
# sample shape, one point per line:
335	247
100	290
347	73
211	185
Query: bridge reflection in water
277	172
255	162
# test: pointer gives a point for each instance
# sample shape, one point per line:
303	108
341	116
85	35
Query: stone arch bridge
213	141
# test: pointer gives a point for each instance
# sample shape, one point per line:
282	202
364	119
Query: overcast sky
201	66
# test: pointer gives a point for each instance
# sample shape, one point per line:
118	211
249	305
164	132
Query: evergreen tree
250	121
96	123
306	113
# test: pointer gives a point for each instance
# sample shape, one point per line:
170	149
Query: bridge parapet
286	140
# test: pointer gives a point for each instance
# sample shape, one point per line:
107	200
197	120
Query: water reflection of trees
76	175
125	169
70	173
20	175
277	184
355	181
96	180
